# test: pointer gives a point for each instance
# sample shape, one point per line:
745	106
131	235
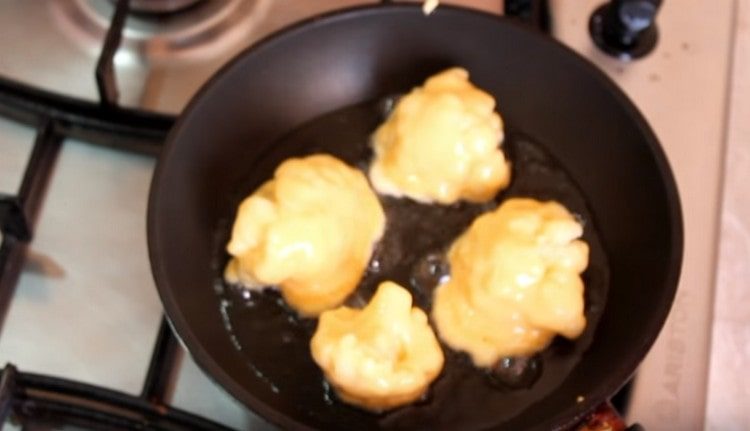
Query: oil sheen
275	341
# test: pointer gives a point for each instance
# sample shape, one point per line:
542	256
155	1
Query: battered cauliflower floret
310	231
441	144
515	282
379	357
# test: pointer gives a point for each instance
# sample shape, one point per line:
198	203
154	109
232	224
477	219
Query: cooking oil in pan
275	342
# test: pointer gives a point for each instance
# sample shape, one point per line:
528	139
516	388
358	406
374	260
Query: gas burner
163	29
161	6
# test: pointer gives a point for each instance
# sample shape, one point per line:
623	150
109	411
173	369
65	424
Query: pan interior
411	253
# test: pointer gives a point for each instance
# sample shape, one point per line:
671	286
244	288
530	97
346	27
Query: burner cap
166	29
160	7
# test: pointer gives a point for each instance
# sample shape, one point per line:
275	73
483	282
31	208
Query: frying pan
291	95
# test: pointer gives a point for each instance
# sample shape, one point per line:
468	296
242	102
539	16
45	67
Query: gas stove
79	304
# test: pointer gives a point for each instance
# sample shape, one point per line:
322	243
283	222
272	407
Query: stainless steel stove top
86	307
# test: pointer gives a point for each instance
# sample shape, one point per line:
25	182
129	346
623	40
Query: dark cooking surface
274	342
543	89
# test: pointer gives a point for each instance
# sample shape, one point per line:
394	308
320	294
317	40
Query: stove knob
625	28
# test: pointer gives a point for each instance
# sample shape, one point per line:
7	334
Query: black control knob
625	28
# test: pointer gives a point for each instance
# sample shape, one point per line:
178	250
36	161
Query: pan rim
561	420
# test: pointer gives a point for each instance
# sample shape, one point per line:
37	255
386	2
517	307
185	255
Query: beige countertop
728	384
682	88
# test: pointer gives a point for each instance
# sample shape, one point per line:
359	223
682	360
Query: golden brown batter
310	231
379	357
441	144
515	282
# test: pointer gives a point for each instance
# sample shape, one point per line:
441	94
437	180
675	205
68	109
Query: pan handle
532	12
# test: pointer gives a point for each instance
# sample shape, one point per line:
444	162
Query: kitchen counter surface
728	385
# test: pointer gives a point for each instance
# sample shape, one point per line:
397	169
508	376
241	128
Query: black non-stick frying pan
323	86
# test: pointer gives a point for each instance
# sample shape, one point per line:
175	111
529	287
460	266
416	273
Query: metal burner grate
32	399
